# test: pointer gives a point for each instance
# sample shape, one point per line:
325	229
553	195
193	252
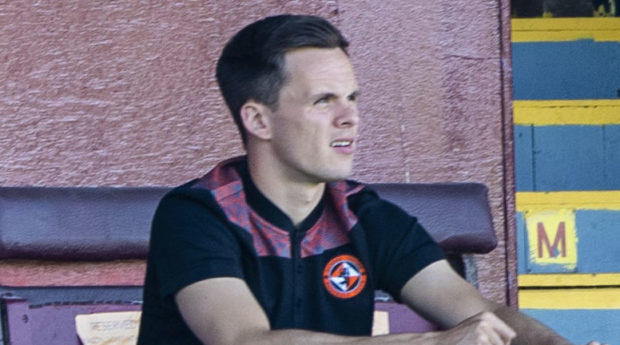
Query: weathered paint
565	29
596	218
567	112
599	200
522	245
574	298
569	280
612	153
552	240
582	326
567	157
566	121
599	241
524	158
598	244
545	160
582	69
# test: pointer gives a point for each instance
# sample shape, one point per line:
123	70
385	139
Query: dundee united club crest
344	276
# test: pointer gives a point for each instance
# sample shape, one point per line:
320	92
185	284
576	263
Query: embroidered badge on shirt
344	276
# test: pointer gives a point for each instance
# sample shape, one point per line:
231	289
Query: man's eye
322	100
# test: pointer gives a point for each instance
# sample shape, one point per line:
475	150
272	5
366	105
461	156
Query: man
277	247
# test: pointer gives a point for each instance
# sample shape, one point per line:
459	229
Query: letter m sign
559	242
552	241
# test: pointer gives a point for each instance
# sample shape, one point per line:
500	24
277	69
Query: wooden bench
84	224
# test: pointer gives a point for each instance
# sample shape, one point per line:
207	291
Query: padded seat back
107	223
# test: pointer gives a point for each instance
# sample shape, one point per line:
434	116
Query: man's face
316	123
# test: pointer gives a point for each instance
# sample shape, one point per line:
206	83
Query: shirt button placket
298	278
299	270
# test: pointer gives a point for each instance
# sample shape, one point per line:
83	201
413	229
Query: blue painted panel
569	158
598	247
581	326
612	155
522	247
523	158
582	69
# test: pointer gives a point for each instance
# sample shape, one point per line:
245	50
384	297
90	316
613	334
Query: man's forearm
483	328
529	331
303	337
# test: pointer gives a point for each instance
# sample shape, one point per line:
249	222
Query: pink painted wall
122	93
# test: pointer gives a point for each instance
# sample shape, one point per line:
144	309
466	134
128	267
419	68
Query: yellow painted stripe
558	36
606	298
549	24
567	280
597	200
565	29
567	112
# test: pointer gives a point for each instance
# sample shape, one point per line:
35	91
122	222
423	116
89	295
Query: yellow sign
552	238
114	328
381	323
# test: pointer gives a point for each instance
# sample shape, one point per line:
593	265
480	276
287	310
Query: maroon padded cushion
106	223
102	223
456	215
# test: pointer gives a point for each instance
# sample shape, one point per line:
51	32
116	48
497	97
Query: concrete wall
122	93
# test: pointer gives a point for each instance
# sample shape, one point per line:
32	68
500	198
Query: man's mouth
341	143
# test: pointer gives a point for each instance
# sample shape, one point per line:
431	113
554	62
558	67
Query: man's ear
256	118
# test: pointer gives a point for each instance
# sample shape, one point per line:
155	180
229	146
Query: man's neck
295	199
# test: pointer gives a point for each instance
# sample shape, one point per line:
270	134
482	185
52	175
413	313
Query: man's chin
337	176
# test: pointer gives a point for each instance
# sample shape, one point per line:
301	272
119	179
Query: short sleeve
190	242
399	246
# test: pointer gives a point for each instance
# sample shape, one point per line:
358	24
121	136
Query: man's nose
348	115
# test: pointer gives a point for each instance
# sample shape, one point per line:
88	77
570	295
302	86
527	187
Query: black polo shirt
319	276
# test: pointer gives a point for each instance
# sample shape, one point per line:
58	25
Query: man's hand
481	329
